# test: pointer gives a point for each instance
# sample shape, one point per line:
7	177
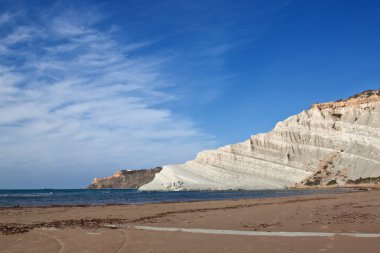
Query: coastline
162	197
352	212
347	186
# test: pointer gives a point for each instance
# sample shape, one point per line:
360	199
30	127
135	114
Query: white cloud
74	104
20	34
5	18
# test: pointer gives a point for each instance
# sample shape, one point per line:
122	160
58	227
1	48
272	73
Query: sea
60	197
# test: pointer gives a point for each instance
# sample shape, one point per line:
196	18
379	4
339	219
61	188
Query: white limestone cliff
335	141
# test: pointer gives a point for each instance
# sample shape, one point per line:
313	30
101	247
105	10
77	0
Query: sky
91	87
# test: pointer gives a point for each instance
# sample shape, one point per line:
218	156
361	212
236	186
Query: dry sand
111	228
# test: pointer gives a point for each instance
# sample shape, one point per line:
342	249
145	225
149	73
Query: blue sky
91	87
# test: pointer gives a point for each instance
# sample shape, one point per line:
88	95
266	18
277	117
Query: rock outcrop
125	179
332	143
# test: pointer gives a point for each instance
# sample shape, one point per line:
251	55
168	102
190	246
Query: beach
344	222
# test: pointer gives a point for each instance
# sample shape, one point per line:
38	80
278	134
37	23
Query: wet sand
113	228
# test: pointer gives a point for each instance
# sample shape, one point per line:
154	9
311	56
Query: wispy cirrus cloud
5	18
74	104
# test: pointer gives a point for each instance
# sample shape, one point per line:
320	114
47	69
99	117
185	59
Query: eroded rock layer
125	179
331	143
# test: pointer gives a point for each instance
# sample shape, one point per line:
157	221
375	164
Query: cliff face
331	143
125	179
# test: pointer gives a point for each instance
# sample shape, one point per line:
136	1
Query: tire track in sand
60	243
124	243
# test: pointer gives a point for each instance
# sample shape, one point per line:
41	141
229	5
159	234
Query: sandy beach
347	222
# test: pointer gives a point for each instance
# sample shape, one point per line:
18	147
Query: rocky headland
125	179
333	143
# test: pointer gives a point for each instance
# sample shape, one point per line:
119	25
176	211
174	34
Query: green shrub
332	182
367	180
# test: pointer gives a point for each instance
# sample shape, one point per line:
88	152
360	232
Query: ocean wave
26	195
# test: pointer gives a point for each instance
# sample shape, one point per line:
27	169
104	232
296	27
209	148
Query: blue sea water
50	197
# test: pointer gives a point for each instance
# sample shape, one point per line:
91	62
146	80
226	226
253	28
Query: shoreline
354	189
272	200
